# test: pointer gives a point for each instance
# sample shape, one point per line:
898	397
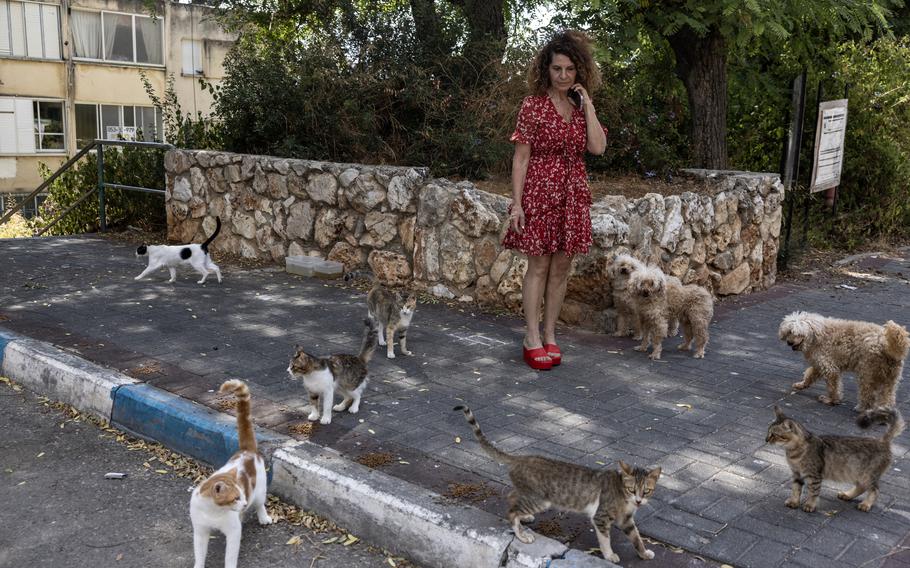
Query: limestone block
673	223
588	282
349	256
608	231
735	282
500	265
724	260
485	290
247	250
485	251
198	207
295	249
426	255
281	166
323	188
434	204
278	186
347	177
329	225
456	252
365	193
679	266
381	229
180	211
720	209
182	190
471	215
441	291
406	232
301	221
244	225
389	267
403	190
232	173
699	252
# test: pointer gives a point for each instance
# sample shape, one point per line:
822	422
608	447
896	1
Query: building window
49	134
112	36
29	126
116	122
31	207
192	57
29	29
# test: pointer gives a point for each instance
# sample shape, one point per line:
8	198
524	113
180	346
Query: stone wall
444	237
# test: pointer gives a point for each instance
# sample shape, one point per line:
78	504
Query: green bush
140	167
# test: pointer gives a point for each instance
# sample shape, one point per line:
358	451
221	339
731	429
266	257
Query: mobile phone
576	97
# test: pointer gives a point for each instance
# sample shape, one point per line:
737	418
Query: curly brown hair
576	46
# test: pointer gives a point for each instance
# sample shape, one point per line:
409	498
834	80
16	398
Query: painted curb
377	507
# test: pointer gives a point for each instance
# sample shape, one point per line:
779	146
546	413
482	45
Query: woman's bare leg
558	277
531	293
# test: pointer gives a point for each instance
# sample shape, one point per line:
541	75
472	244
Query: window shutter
33	39
7	126
25	127
51	32
17	26
6	46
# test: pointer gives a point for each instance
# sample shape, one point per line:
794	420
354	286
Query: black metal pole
790	167
808	199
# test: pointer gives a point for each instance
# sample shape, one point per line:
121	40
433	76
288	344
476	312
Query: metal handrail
47	182
100	144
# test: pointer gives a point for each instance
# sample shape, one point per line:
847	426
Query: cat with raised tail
172	256
322	376
606	496
852	459
220	501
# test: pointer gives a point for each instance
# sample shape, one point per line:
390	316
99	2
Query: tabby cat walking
606	496
220	501
853	459
393	312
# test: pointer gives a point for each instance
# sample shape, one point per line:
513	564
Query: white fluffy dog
621	270
831	346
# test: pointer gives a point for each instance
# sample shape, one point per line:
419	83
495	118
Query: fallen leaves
375	459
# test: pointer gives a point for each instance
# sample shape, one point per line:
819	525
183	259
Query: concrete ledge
180	424
59	375
400	516
405	517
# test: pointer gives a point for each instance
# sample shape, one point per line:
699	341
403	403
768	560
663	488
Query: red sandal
554	353
531	356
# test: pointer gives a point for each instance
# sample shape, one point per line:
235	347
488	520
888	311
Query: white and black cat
322	376
220	501
172	256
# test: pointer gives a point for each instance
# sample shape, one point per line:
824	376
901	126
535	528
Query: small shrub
16	227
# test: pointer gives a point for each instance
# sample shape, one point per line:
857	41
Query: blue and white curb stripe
378	507
131	405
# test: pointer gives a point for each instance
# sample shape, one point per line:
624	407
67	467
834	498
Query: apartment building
70	72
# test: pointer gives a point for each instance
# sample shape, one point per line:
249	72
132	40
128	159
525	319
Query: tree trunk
429	31
701	64
486	41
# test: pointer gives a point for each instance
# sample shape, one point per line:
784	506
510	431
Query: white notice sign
829	144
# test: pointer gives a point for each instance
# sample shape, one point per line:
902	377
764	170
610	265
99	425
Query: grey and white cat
322	376
393	312
172	256
857	460
608	497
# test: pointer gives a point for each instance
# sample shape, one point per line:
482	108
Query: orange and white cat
220	501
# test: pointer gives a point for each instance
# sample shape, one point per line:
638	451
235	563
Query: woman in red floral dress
550	219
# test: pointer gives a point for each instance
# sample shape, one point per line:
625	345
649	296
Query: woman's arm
597	138
519	171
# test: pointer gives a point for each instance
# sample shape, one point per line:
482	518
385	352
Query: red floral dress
556	199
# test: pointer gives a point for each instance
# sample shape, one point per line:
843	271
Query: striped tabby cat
608	497
860	461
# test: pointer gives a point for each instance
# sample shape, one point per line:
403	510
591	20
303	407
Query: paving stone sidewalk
703	421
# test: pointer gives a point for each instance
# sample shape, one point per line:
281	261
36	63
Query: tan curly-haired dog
648	288
621	270
831	346
692	307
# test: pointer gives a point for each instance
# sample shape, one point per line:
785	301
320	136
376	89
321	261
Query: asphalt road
59	511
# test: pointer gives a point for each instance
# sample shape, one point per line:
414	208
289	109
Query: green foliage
139	167
183	129
16	227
